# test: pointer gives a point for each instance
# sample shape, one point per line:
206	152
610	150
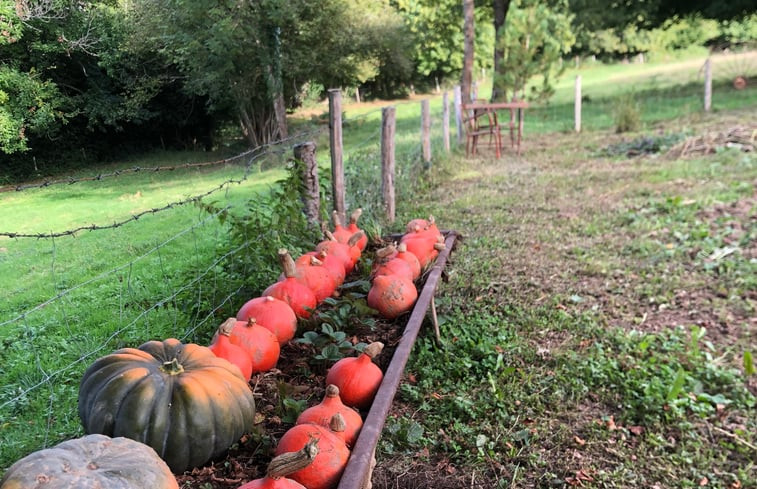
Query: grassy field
566	251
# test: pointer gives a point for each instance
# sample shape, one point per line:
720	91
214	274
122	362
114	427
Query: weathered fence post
305	152
426	130
388	121
707	85
577	107
335	138
445	120
458	114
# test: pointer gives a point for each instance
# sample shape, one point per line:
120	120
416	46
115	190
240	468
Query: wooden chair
481	123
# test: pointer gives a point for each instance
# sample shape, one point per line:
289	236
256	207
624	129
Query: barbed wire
171	205
152	169
50	376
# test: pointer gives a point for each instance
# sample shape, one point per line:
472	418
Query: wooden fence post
707	85
388	121
335	138
577	106
305	152
445	120
458	114
426	130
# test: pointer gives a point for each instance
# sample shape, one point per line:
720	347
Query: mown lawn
598	322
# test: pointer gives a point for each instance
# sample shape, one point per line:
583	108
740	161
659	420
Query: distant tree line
81	80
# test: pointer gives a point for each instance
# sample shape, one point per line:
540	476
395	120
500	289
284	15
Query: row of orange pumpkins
189	404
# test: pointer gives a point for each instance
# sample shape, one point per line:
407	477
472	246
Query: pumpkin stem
315	261
173	367
290	462
337	423
356	215
385	252
355	238
251	321
287	263
402	248
329	235
332	391
337	221
373	349
227	326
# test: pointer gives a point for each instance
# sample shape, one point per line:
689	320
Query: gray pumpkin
180	399
91	462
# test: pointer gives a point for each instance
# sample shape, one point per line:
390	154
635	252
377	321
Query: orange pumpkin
357	378
284	465
352	228
326	469
301	299
259	343
392	295
273	314
222	347
330	405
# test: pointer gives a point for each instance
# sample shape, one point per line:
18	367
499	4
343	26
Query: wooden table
475	109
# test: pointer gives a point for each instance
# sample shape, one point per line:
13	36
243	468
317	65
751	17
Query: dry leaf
610	423
736	484
703	482
636	430
579	440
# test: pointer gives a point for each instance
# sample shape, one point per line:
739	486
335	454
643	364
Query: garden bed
282	393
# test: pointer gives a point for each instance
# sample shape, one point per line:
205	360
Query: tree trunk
470	33
500	14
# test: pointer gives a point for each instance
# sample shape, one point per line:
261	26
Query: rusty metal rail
359	468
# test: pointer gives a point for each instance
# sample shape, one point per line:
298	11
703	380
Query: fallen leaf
411	378
579	440
636	430
736	484
610	423
703	482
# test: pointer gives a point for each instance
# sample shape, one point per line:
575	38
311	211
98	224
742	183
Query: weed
627	113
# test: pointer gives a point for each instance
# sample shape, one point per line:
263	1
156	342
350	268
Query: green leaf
748	364
677	386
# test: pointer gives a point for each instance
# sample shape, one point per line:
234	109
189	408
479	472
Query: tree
500	8
533	41
469	34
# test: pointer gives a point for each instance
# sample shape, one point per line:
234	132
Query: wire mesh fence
75	293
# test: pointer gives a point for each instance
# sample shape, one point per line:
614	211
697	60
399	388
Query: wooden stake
445	120
707	85
577	107
305	152
458	114
388	120
426	130
337	163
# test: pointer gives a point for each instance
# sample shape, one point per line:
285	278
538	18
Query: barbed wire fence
83	292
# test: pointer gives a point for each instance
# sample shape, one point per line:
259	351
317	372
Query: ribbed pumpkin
357	378
290	290
410	259
284	465
260	344
392	295
352	228
327	467
93	461
331	404
180	399
222	347
273	314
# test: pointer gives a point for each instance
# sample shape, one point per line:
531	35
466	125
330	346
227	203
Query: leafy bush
627	113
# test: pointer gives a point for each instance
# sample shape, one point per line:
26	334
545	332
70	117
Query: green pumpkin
180	399
91	462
